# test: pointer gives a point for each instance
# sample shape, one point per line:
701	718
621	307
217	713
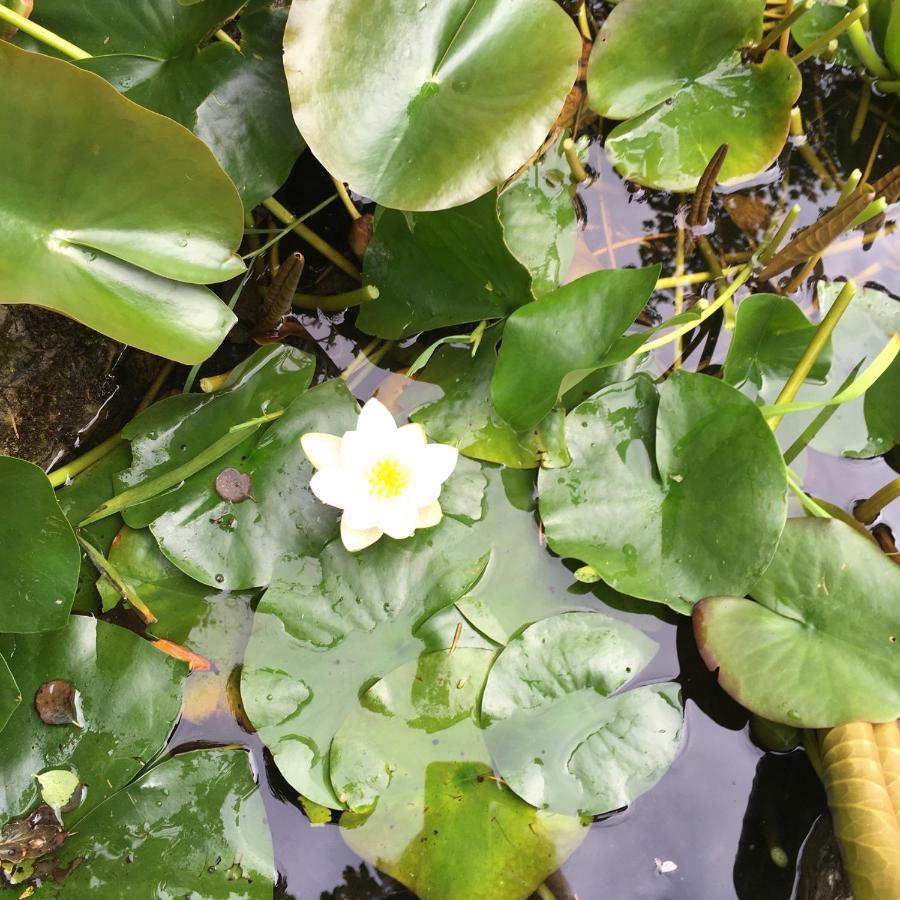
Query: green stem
772	246
545	893
226	38
719	302
850	186
781	27
112	575
806	501
835	31
888	87
867	511
285	216
155	486
577	169
255	423
814	348
60	476
859	40
39	33
345	199
337	302
289	227
875	208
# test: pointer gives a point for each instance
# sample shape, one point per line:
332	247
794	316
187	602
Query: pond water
725	805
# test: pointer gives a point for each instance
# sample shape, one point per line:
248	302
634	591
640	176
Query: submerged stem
859	40
345	199
867	511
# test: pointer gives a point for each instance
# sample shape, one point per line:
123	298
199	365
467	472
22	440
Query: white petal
398	520
360	513
430	515
322	450
356	539
329	485
375	420
412	436
440	461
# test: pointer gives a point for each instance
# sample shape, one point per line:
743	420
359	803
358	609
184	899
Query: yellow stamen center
387	479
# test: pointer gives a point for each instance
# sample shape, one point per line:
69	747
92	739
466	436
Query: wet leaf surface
327	627
39	557
557	735
551	345
440	268
436	78
670	493
193	826
130	697
819	647
10	697
132	270
414	746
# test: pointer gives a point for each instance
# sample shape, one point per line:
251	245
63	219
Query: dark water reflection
725	805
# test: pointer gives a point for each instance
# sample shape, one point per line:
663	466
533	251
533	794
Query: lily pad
869	425
550	346
129	697
10	697
440	268
671	492
770	335
328	626
418	130
819	647
108	230
39	556
537	212
465	416
413	749
671	70
558	737
220	839
158	54
814	23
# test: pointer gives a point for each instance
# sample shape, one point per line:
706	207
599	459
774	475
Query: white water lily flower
386	479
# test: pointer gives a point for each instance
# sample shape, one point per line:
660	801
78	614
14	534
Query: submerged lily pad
551	345
129	698
328	626
413	123
671	492
216	846
819	647
39	556
537	212
440	268
443	824
110	232
671	70
558	737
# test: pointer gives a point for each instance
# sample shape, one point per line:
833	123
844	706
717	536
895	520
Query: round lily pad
558	736
416	91
671	491
820	646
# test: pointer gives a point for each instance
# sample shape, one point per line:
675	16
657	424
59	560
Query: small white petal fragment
58	786
430	515
322	450
386	479
356	539
665	866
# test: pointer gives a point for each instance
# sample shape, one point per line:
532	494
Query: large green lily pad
10	697
550	345
557	736
99	223
671	492
159	55
442	823
39	556
440	268
128	701
671	70
217	846
419	131
537	212
328	626
770	335
819	646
